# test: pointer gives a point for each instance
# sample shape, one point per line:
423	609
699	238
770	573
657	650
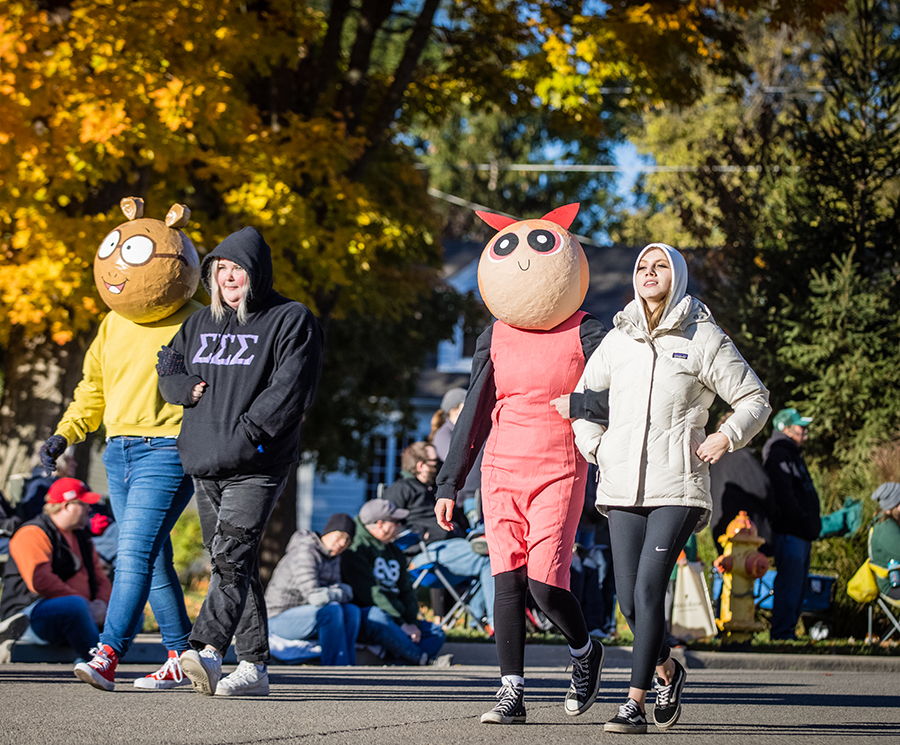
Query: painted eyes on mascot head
147	269
533	274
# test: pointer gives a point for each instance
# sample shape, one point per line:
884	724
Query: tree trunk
40	377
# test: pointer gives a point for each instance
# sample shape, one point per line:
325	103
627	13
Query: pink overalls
533	477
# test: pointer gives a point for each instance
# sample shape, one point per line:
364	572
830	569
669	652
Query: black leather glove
52	449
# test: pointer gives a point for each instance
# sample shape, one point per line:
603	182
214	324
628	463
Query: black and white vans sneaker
585	680
510	708
668	698
13	627
629	721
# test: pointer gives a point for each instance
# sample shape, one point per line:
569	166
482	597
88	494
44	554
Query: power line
460	202
572	168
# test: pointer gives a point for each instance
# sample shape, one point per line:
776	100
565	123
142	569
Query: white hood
679	277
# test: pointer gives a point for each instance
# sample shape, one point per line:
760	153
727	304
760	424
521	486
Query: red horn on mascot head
533	274
563	216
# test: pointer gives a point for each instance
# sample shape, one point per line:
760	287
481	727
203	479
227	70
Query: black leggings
645	544
559	605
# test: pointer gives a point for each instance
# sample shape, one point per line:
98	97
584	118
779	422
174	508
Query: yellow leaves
45	280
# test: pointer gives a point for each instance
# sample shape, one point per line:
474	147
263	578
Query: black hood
249	250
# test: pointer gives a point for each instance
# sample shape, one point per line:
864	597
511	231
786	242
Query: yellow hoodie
119	385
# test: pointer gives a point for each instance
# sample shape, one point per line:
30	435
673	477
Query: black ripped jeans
234	513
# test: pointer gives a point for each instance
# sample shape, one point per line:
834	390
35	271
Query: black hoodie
261	376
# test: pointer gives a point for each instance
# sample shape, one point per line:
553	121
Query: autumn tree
293	117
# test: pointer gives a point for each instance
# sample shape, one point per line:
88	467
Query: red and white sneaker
100	672
168	676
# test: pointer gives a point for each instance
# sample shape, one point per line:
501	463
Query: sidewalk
147	649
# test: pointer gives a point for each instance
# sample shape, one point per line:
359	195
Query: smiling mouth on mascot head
145	269
533	274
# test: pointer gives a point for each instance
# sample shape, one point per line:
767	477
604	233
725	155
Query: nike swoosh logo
660	549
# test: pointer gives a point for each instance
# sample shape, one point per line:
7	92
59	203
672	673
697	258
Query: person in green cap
796	522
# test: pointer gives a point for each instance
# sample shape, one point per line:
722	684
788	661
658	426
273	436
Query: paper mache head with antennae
147	269
533	274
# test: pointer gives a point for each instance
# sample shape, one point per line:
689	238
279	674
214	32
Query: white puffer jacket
661	386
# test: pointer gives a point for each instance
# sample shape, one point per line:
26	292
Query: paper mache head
533	274
147	269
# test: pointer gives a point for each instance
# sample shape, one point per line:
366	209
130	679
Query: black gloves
51	450
170	362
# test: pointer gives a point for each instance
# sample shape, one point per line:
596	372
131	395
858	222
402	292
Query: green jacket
378	575
884	545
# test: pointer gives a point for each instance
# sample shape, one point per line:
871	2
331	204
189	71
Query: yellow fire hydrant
741	565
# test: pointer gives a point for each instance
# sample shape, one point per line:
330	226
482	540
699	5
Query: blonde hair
51	508
437	421
217	305
655	316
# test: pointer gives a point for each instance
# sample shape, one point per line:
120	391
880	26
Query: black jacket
738	482
796	505
261	376
411	494
16	594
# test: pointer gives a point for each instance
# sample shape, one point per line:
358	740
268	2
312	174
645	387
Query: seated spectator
415	494
376	571
306	598
35	487
54	575
884	544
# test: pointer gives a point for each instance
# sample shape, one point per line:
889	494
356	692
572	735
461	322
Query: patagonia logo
679	355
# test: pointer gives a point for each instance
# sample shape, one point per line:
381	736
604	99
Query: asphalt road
45	703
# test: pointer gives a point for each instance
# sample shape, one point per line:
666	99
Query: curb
619	658
148	649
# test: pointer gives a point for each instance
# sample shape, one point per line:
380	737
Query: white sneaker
247	680
203	668
168	676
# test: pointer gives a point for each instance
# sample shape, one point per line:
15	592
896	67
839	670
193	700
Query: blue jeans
457	556
335	625
792	569
66	620
234	512
380	628
148	492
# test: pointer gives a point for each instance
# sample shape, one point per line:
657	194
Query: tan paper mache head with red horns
147	269
533	274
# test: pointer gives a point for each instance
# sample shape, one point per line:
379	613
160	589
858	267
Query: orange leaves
174	104
103	120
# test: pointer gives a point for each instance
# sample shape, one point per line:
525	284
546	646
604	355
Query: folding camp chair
886	604
429	573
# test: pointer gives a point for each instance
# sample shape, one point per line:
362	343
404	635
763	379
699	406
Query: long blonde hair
654	317
217	303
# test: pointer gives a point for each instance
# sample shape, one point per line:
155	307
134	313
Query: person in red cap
54	575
